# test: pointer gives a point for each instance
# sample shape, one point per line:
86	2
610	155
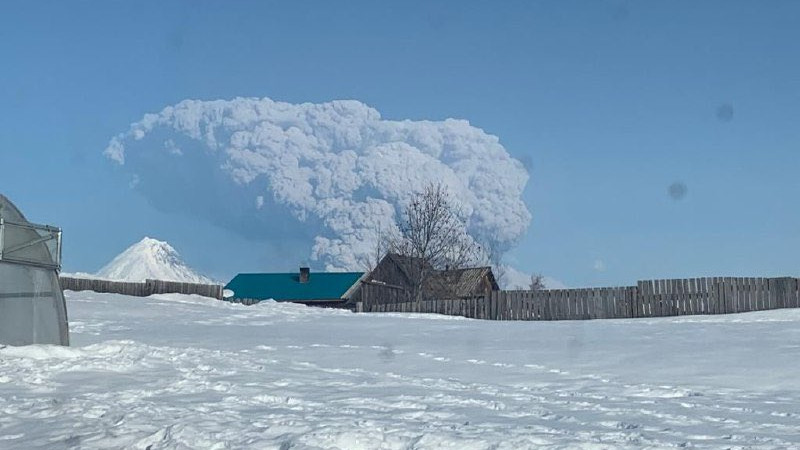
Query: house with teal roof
333	289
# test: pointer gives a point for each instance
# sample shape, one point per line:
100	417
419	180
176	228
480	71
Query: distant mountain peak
150	258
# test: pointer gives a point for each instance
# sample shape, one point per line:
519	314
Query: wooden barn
393	279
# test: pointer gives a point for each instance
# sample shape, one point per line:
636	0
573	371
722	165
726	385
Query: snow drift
181	372
331	173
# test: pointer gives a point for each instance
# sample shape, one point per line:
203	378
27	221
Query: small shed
331	289
32	306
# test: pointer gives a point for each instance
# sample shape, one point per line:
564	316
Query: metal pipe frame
52	233
2	236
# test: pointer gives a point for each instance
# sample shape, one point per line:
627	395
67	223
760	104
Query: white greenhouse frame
46	233
33	309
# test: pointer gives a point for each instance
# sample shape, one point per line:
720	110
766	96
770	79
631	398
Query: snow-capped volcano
150	258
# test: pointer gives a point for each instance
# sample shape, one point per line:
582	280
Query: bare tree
491	255
383	243
499	272
537	282
433	236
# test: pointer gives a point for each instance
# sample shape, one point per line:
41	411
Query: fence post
638	299
713	295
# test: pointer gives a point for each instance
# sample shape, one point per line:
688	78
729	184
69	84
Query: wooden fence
143	289
652	298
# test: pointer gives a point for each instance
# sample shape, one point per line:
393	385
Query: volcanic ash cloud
329	174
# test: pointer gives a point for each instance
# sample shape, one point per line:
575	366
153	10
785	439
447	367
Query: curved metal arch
9	211
23	242
32	305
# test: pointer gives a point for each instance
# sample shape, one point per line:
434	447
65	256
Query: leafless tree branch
537	282
433	235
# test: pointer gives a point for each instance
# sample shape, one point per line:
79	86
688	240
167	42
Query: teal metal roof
321	286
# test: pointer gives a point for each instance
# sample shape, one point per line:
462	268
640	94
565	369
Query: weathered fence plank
143	289
649	298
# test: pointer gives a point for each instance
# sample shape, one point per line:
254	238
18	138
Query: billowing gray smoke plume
330	173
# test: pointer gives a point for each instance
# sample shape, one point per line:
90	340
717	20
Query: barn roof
460	282
440	283
321	286
406	264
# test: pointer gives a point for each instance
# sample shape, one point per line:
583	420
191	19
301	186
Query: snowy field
187	372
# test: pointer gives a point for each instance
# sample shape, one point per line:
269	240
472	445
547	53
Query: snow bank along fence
653	298
148	287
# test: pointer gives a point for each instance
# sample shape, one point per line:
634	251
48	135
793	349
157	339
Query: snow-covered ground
176	371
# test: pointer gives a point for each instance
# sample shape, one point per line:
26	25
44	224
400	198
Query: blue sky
608	104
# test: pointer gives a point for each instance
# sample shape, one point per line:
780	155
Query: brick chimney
305	272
